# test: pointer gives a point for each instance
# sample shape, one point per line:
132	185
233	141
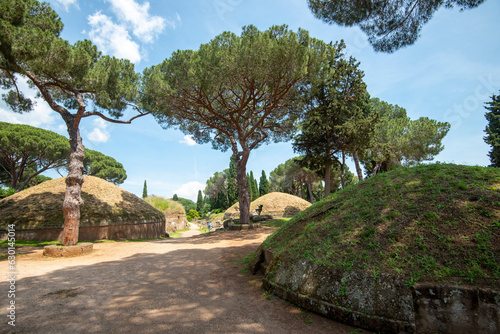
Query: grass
167	206
31	243
431	222
25	243
178	233
217	217
275	222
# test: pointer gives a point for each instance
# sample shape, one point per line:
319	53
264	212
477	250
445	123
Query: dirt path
185	285
193	230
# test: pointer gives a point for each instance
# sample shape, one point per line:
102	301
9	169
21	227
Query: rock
64	251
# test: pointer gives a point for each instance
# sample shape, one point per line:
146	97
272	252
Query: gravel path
185	285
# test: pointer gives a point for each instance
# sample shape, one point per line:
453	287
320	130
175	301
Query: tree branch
112	120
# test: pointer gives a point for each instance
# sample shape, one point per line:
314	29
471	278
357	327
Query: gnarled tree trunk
72	198
241	159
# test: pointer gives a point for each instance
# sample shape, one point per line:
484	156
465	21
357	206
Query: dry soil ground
187	285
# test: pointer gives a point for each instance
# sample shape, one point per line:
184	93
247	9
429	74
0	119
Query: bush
192	214
6	192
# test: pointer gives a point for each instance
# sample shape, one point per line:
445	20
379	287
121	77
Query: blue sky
448	75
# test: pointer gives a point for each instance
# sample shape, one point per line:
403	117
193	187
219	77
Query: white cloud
68	3
99	134
189	190
112	38
144	26
188	140
42	116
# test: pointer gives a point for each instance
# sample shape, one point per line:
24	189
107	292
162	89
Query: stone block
65	251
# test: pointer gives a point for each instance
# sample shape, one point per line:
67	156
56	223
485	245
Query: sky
447	75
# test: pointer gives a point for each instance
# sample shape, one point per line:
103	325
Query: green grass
167	206
29	243
21	243
434	222
178	233
276	222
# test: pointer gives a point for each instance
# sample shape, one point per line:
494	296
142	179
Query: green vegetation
263	184
100	165
400	141
187	204
76	80
29	243
145	190
214	82
178	233
338	119
275	222
416	222
167	206
192	214
6	192
389	25
492	130
27	151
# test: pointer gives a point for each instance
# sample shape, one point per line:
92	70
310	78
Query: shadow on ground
194	287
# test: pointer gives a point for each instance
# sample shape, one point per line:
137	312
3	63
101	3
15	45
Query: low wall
175	222
147	229
273	215
456	309
383	303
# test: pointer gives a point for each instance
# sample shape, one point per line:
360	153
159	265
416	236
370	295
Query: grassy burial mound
174	211
275	204
108	212
168	206
361	254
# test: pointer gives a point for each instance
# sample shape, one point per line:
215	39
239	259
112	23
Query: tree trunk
377	167
342	171
241	160
309	190
74	181
328	177
358	167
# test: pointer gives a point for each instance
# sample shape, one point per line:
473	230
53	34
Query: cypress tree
145	190
175	198
250	186
199	202
255	188
264	184
493	130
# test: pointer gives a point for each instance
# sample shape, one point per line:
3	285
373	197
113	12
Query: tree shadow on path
186	290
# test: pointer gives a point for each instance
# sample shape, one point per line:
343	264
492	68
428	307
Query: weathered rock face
456	309
382	303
